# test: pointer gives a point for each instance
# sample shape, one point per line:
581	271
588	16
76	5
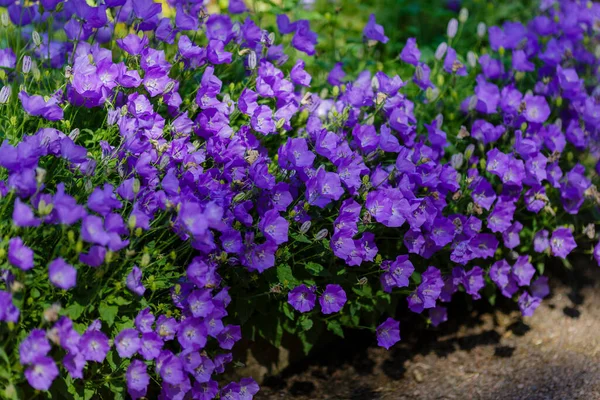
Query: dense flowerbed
173	179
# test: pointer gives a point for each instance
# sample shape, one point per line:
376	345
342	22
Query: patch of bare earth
480	354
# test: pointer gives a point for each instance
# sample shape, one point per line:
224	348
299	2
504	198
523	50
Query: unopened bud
132	221
441	50
472	102
40	175
463	15
457	160
4	19
305	227
280	123
37	40
145	260
26	64
322	234
469	151
481	29
472	59
4	94
452	28
419	74
252	60
74	134
170	86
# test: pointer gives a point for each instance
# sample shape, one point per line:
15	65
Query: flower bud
472	59
419	74
4	19
472	102
164	161
37	40
305	227
469	151
4	94
457	160
441	50
26	64
145	260
74	134
463	15
170	86
40	175
452	28
481	29
132	222
136	186
252	60
322	234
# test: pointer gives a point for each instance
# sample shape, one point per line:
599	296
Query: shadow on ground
480	353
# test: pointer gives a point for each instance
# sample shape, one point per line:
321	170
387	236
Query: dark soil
481	353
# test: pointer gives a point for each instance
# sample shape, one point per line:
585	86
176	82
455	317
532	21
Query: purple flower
333	299
248	388
562	242
262	120
373	31
94	345
336	75
410	53
324	187
127	342
191	334
92	230
137	379
151	345
541	241
473	281
74	363
37	106
170	368
438	315
23	215
200	303
134	281
539	288
304	39
388	333
536	109
528	304
8	311
61	274
299	76
20	255
34	346
274	227
523	271
228	336
41	373
511	235
302	298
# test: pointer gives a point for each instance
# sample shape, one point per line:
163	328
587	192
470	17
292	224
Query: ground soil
481	353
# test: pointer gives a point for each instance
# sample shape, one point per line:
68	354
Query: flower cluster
204	190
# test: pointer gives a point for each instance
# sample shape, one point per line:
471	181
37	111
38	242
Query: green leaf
315	269
287	310
335	327
74	310
307	343
306	324
120	301
108	313
301	238
285	275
